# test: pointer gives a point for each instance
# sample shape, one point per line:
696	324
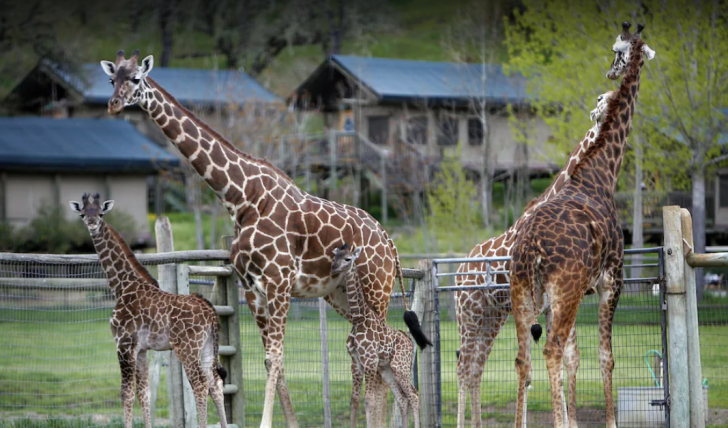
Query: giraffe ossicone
146	317
283	235
376	349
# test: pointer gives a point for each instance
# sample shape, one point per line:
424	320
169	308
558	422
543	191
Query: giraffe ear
108	67
147	65
75	206
648	53
336	251
107	206
357	251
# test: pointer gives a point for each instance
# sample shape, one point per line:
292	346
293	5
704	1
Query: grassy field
60	362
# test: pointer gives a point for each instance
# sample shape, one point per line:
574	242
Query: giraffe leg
213	380
142	384
278	301
393	379
553	351
259	310
382	389
192	364
571	361
523	319
357	378
609	289
371	396
126	352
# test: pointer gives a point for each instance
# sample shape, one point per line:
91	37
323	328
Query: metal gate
639	343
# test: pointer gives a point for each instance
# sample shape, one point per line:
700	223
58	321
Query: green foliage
452	199
682	90
50	232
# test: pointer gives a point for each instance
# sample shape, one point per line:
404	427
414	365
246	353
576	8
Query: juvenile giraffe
145	317
284	236
375	347
482	313
572	245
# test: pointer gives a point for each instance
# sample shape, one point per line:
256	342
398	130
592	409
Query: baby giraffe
145	317
374	347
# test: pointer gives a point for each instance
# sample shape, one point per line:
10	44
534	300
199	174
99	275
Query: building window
379	129
723	189
417	130
448	135
475	132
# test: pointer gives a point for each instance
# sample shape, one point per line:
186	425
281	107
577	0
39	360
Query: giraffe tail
534	280
410	317
216	346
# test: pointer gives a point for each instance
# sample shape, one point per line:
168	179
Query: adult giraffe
284	236
482	313
573	245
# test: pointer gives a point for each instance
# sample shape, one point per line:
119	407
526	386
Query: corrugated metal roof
187	85
106	145
394	79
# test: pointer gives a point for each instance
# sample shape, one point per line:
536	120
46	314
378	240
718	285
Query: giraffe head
344	259
597	115
91	211
127	77
623	45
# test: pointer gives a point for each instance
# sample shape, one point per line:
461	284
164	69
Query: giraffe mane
606	129
222	140
138	267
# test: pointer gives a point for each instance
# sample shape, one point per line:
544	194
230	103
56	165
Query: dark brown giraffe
481	314
145	317
375	347
284	236
573	245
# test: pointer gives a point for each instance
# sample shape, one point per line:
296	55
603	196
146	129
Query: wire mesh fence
57	355
637	344
713	330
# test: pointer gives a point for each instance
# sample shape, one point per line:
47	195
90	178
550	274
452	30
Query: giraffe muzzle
115	105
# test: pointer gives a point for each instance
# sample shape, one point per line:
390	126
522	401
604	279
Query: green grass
60	363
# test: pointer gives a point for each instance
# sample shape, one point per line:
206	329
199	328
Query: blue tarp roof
105	145
398	79
187	85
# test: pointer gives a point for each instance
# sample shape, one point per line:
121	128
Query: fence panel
637	344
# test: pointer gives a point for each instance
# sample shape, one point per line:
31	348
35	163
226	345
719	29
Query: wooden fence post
167	274
697	416
423	306
231	296
676	312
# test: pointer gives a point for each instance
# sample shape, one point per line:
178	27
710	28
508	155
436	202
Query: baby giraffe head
622	47
92	211
344	259
597	115
127	77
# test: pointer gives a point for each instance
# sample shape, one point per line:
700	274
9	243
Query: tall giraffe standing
482	313
375	347
572	245
284	236
146	317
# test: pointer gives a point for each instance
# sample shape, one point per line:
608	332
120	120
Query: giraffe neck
600	167
355	293
566	172
118	261
227	170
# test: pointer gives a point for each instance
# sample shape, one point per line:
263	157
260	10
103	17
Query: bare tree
473	40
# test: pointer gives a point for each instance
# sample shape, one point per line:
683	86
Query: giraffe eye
82	215
135	81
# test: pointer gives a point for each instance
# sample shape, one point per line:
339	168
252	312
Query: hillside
412	30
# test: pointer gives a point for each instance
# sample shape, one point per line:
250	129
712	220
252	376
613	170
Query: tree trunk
637	235
486	181
698	214
213	223
166	23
